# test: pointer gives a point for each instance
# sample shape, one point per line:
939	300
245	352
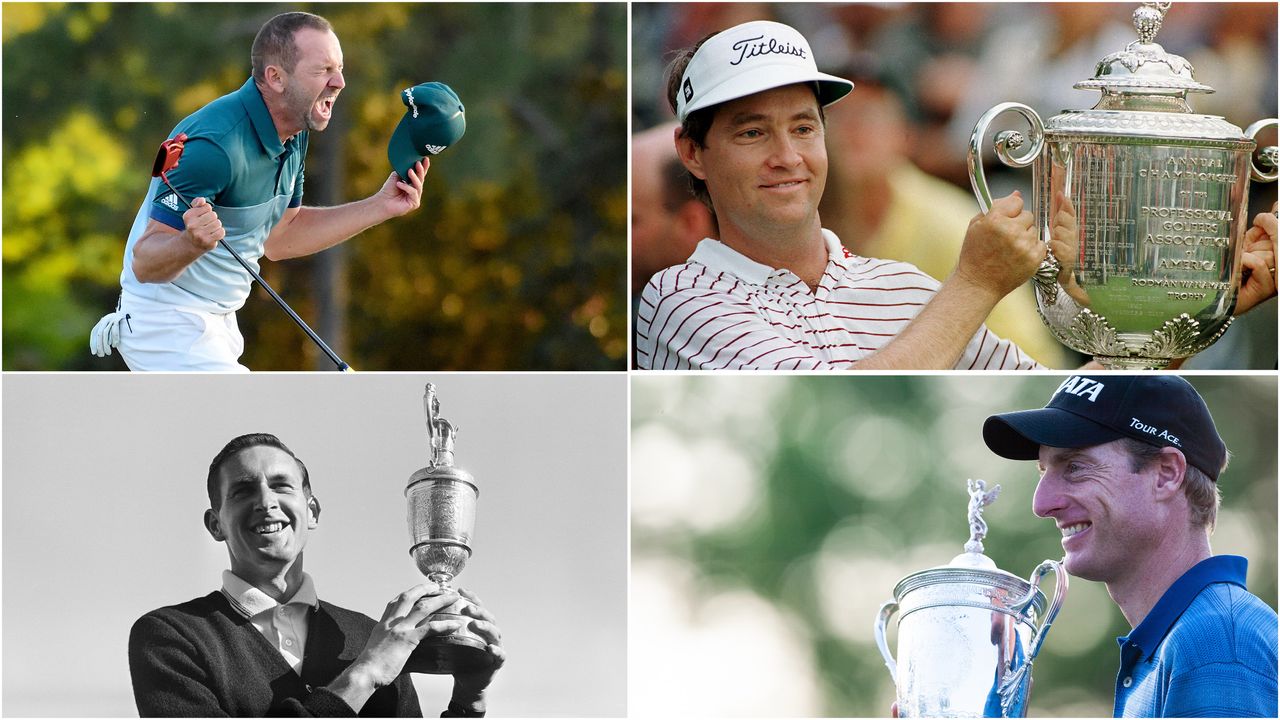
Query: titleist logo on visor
753	47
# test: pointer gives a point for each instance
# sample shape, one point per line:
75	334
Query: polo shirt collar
249	600
722	258
1153	628
260	117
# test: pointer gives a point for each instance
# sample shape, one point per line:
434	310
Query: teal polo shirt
1207	649
235	160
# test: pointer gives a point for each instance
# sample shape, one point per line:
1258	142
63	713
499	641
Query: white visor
751	58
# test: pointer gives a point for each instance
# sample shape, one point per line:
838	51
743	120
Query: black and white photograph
112	511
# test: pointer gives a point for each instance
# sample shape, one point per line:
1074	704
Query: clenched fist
204	229
1002	248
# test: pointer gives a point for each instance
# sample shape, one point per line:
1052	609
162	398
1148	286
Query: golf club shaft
342	366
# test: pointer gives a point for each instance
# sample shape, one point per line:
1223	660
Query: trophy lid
1143	67
971	571
442	473
441	434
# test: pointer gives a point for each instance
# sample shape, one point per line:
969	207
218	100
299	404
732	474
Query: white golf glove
106	334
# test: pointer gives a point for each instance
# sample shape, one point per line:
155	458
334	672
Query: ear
274	78
690	154
213	526
313	512
1170	468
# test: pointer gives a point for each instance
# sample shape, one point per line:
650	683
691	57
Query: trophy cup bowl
1151	269
967	636
442	515
967	633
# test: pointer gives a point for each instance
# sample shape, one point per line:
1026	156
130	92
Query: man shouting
243	167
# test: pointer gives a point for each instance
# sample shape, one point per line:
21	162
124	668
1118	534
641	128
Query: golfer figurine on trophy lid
441	500
967	631
1147	270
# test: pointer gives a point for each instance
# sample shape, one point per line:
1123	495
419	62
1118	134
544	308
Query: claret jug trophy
1149	269
967	632
441	499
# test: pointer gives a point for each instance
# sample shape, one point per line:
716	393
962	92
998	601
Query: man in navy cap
1129	470
243	169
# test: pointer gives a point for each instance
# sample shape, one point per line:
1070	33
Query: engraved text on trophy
1156	228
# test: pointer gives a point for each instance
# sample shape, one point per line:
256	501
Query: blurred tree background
771	516
516	259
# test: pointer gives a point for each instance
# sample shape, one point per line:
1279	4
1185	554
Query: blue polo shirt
235	160
1207	649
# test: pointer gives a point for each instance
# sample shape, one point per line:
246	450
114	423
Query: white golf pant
163	338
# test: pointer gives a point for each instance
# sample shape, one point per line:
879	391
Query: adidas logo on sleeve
169	200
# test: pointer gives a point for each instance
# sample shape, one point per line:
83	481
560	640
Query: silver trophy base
1132	363
459	652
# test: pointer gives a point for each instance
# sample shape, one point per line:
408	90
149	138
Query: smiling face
265	515
312	88
765	165
1110	516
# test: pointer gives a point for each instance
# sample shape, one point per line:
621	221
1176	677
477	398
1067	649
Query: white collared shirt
723	310
284	626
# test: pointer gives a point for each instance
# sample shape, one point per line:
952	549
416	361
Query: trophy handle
1005	143
882	622
1046	276
1059	593
1270	154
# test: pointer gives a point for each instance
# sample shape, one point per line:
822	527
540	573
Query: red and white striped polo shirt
722	310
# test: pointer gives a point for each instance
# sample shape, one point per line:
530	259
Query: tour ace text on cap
751	58
434	120
1161	410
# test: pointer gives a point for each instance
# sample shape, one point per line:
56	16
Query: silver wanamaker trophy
441	499
1151	270
967	632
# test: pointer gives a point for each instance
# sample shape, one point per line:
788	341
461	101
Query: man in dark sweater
265	644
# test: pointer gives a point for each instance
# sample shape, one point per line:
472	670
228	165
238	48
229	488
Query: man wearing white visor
777	291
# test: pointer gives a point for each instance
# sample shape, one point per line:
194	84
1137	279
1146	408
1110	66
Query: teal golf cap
435	119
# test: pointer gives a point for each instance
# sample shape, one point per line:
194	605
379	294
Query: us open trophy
1150	271
967	631
442	515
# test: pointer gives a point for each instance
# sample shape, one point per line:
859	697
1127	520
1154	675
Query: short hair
244	442
274	43
697	124
1203	496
